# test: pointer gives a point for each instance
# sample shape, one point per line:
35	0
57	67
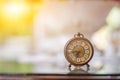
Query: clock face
78	51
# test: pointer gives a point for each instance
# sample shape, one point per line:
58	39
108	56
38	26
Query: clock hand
76	53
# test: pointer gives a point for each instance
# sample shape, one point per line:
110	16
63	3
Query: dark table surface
73	74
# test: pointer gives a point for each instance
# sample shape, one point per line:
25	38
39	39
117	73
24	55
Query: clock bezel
65	51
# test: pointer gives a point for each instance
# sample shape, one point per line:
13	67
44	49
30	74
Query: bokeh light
33	33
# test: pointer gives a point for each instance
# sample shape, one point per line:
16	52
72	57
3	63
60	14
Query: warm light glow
14	9
15	18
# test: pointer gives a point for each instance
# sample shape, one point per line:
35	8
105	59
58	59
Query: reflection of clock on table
78	51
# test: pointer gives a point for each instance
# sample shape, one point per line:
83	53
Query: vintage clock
78	51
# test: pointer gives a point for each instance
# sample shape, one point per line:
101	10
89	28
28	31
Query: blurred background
33	34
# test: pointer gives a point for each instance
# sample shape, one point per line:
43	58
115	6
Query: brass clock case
78	51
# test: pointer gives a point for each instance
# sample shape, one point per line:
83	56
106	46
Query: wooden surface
30	76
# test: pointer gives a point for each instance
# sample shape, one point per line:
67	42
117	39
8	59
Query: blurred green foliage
113	18
14	67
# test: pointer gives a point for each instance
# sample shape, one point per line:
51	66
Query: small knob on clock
79	35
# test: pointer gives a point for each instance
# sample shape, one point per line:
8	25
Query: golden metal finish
78	50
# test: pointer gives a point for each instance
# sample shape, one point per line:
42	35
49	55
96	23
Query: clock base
79	67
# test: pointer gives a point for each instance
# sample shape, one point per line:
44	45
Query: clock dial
78	51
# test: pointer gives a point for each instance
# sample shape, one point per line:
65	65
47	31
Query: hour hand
76	53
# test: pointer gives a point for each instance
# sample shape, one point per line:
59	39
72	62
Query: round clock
78	50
